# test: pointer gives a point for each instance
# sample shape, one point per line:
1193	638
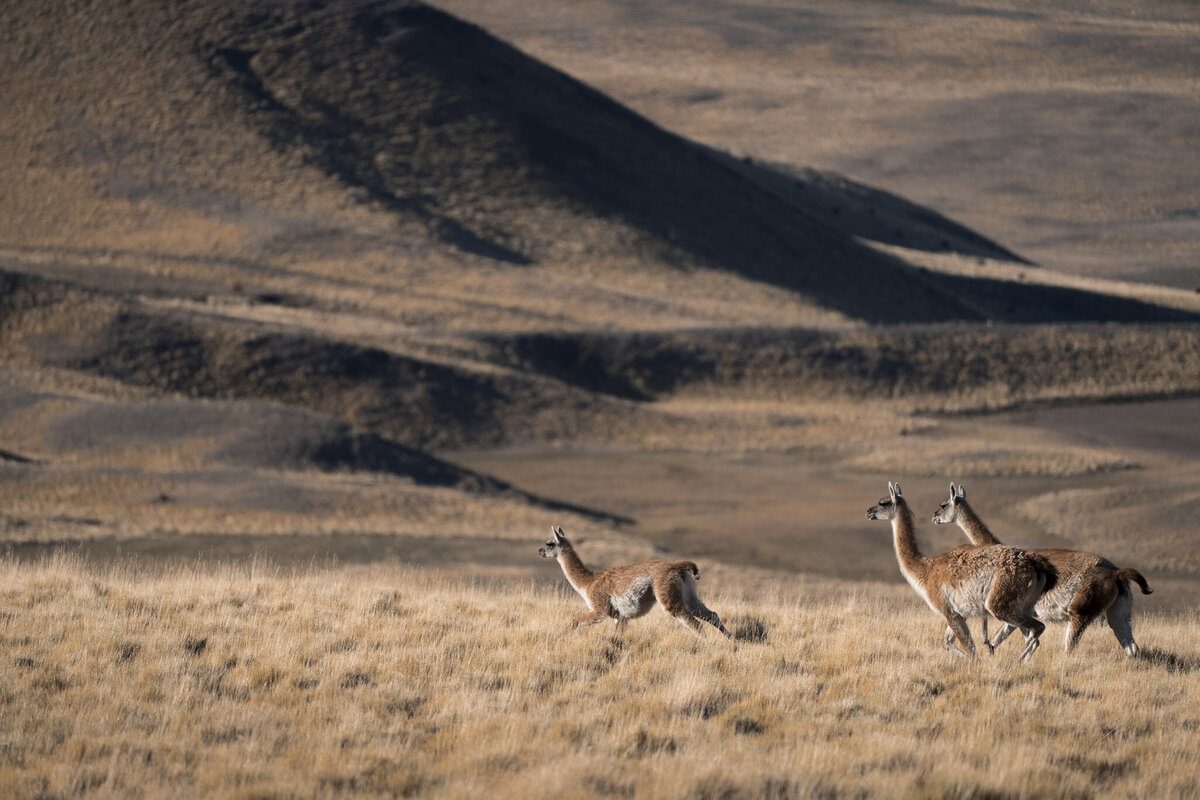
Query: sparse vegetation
244	681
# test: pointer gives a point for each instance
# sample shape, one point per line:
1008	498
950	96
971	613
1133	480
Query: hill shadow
322	133
503	156
15	458
406	406
1032	362
866	212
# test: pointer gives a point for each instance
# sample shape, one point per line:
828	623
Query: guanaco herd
1023	589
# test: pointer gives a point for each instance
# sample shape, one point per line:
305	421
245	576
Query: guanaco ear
558	534
898	491
962	493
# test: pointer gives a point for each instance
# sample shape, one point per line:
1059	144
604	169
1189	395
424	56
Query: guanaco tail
631	590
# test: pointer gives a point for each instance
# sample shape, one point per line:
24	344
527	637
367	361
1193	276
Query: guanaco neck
972	526
578	575
912	563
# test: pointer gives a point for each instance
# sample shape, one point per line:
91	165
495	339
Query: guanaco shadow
1172	662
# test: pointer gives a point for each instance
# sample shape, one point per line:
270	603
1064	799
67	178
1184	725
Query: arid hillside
288	269
1065	131
222	144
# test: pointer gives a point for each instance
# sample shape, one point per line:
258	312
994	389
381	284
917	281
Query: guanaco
1088	585
629	591
967	581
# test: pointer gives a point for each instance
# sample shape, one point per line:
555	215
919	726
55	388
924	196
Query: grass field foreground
252	682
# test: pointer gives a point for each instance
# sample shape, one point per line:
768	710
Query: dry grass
247	682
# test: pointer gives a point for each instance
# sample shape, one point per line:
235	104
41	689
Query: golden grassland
248	681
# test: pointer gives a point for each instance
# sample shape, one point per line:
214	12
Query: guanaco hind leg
1018	613
708	615
1004	633
677	596
693	603
1120	620
983	637
1076	625
688	621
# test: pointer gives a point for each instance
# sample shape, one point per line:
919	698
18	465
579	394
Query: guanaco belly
634	601
1054	604
968	597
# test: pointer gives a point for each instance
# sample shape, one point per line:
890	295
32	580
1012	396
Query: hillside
290	270
1066	132
235	145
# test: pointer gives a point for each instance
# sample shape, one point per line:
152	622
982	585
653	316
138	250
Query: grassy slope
245	682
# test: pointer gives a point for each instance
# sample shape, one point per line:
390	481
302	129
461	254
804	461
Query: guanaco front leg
958	631
951	638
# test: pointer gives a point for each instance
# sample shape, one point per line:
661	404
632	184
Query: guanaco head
947	512
886	507
556	545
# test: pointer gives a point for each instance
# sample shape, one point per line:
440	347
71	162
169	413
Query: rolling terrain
252	252
327	287
250	256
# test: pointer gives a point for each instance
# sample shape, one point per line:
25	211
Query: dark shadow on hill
439	120
868	213
1014	301
329	134
597	363
1020	362
565	385
375	410
15	458
500	154
368	452
346	385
